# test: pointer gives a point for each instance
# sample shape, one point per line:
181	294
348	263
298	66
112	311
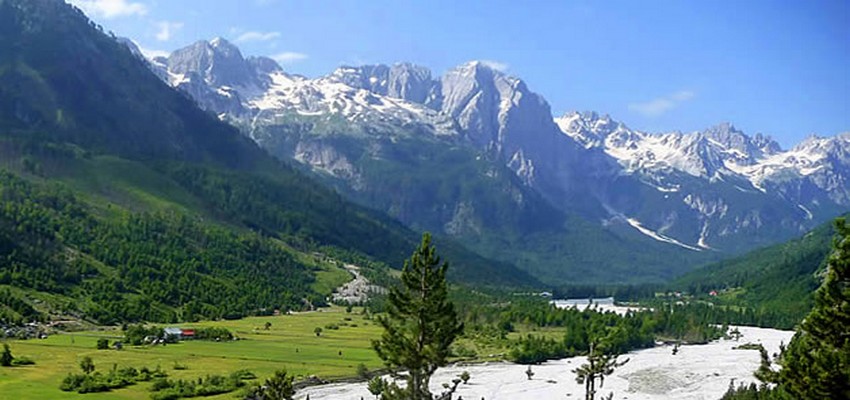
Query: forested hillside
139	266
778	280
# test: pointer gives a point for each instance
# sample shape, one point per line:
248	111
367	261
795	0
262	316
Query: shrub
115	379
213	333
22	360
362	371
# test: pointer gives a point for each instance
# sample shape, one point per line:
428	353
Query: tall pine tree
816	364
420	325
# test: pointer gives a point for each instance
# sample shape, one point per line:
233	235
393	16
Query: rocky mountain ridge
820	164
717	189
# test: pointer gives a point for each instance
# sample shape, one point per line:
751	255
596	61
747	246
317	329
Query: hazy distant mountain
724	184
707	192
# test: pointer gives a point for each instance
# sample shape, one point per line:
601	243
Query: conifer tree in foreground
816	364
420	325
599	365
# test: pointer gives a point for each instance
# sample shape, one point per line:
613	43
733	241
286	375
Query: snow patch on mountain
657	236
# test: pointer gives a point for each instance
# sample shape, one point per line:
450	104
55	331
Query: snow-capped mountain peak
705	187
721	150
718	149
591	130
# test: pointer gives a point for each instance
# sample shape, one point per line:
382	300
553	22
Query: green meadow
290	343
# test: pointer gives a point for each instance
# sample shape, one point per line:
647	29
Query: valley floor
289	343
697	372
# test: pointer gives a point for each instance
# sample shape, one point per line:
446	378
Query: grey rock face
499	114
263	65
412	83
497	111
218	63
404	81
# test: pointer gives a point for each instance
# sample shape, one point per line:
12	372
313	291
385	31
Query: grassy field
289	343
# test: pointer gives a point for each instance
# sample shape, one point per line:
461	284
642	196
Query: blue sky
775	67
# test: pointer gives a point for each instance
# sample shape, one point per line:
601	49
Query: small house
173	333
187	333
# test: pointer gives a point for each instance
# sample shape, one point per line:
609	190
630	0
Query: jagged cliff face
717	189
400	81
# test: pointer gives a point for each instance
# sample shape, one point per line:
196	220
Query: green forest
140	266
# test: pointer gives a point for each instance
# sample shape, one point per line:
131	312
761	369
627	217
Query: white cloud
661	105
253	36
110	8
166	29
498	66
289	57
683	95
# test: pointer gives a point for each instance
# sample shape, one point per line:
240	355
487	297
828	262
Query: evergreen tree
816	364
599	365
376	386
278	387
421	322
87	365
6	357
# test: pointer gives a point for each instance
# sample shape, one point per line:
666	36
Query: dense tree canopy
138	266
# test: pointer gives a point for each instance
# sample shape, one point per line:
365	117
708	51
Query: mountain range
475	154
123	201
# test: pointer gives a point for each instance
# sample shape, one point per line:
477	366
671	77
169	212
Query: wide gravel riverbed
697	372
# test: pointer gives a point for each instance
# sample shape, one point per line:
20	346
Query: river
697	372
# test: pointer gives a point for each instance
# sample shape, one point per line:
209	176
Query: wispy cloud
254	36
289	57
167	29
661	105
498	66
110	8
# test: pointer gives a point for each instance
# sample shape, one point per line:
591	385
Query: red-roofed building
187	333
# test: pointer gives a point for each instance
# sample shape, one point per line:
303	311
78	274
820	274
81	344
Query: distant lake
584	302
